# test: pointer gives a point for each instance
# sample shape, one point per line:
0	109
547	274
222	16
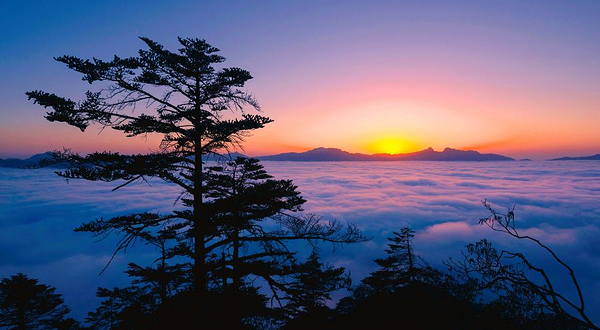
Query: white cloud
556	202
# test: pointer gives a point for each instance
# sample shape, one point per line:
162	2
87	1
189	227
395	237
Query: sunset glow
391	145
499	78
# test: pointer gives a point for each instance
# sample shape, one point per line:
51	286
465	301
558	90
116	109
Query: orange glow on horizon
391	145
416	80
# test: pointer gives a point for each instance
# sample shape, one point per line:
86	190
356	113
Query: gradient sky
520	78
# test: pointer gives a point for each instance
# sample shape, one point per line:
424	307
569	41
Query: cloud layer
556	202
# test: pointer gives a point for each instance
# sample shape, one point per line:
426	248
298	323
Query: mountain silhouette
35	159
322	154
28	162
593	157
334	154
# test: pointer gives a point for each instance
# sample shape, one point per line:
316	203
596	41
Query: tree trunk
236	276
200	268
21	322
236	280
410	258
163	274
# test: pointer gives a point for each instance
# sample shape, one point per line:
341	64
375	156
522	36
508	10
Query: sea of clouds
556	202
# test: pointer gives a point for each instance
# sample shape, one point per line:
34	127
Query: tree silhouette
310	290
398	268
122	308
512	275
406	290
401	266
186	97
242	195
199	109
27	304
255	213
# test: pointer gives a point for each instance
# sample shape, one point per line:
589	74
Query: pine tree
399	267
243	196
27	304
123	308
200	110
312	287
256	216
186	97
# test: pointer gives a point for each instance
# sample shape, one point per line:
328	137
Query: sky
519	78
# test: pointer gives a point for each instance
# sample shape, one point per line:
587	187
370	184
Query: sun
391	145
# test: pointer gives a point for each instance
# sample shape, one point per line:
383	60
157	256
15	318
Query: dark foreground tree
406	292
200	109
313	283
255	214
186	98
123	308
517	281
27	304
401	267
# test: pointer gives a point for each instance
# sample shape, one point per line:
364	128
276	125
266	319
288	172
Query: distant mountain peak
336	154
327	149
30	162
592	157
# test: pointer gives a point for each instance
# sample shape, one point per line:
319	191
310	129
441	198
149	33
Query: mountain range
330	155
593	157
34	160
333	154
28	162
